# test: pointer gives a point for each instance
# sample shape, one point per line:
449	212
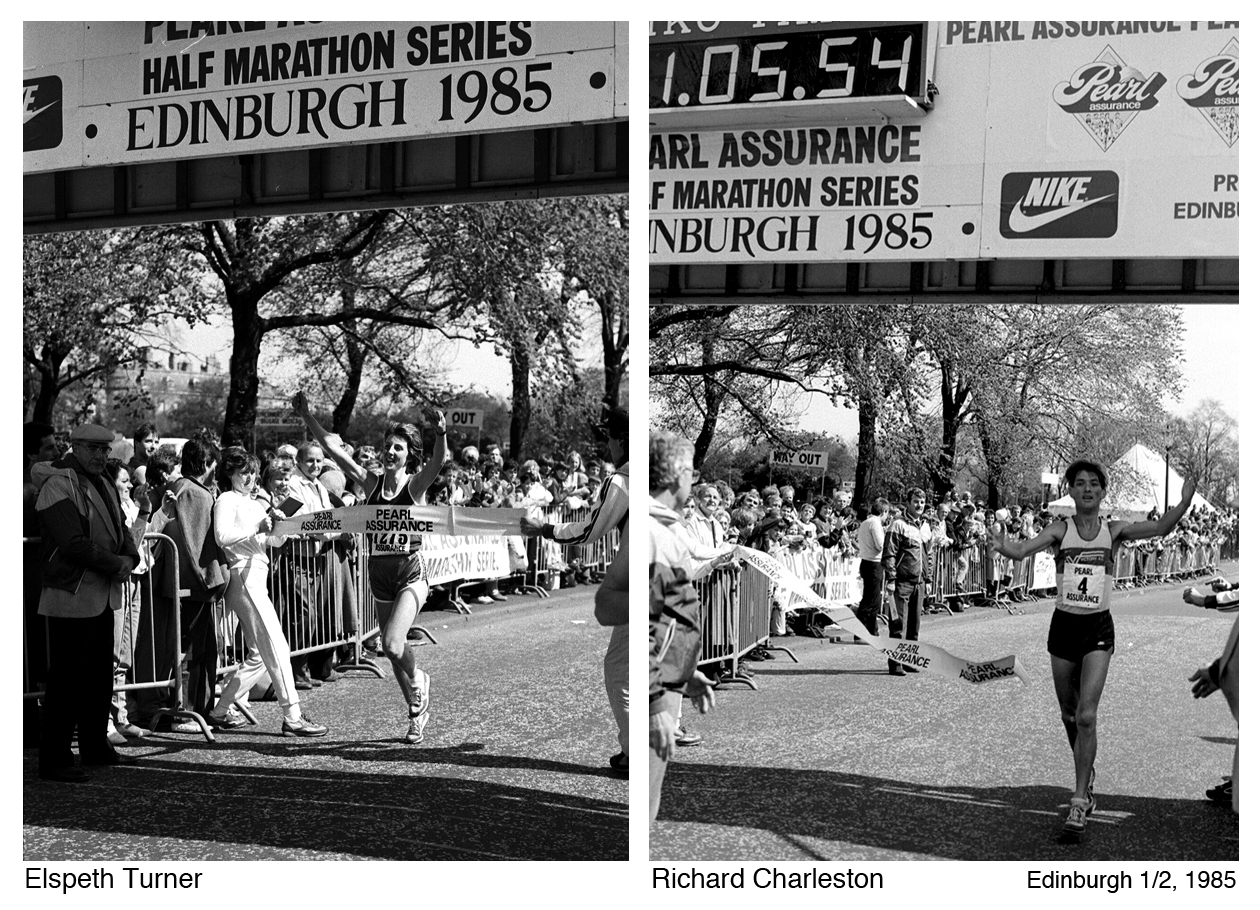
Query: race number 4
504	93
895	231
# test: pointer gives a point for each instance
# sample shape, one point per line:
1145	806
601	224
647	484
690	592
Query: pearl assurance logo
1106	95
1059	205
1212	90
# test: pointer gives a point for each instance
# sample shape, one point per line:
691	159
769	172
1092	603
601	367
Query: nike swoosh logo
1022	224
28	116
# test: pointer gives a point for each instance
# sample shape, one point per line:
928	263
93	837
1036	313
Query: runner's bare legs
395	620
1079	688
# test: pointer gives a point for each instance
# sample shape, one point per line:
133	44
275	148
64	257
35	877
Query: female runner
396	568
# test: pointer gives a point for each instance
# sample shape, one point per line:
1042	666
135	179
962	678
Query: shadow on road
1221	740
957	823
227	810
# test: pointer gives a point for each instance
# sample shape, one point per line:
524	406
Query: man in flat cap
86	555
608	512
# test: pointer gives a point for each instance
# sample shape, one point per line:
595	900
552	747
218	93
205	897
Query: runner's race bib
390	544
1085	581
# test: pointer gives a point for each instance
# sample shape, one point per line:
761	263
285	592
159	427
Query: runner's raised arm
1162	526
354	471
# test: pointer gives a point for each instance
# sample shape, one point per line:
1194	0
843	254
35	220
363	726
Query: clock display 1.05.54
786	67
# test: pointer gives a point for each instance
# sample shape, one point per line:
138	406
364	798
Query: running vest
392	544
1084	569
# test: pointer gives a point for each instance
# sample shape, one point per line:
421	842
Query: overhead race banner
822	193
807	461
371	519
1045	140
106	93
1112	139
920	655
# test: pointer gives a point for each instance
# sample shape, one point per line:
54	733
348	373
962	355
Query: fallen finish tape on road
916	654
453	521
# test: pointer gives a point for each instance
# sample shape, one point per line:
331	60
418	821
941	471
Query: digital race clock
776	70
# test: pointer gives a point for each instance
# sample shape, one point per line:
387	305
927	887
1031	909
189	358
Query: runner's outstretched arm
1017	549
1163	525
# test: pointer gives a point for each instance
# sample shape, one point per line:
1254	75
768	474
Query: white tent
1135	485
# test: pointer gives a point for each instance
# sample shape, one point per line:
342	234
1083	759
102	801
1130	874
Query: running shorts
389	575
1073	635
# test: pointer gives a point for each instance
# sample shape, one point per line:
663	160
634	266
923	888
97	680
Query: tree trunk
51	357
46	400
520	361
868	415
356	355
995	464
248	329
953	400
616	338
713	397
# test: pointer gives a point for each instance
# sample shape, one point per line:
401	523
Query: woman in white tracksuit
241	526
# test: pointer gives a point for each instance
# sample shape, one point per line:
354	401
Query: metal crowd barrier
156	653
720	600
734	619
547	559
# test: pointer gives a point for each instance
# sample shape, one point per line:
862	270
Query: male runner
1082	637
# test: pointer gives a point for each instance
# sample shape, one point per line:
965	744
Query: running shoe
419	708
229	721
1089	793
1074	824
303	726
1222	793
683	738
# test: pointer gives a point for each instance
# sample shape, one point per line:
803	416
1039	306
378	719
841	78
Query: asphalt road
833	759
513	764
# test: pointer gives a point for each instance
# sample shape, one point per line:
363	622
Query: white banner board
457	419
804	460
1045	140
1113	139
107	93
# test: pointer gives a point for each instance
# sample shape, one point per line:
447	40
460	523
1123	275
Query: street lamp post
1167	450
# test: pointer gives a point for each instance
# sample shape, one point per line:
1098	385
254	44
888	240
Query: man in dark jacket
202	572
673	606
905	567
87	554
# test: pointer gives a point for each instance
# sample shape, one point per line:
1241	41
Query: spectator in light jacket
88	553
673	607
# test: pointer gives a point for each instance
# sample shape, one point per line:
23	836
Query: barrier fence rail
321	594
148	633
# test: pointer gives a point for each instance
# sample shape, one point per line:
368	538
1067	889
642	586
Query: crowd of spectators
772	519
162	489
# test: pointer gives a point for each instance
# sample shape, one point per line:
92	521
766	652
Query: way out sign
807	461
463	420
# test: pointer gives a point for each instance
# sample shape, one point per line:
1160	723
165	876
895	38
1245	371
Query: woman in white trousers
241	527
